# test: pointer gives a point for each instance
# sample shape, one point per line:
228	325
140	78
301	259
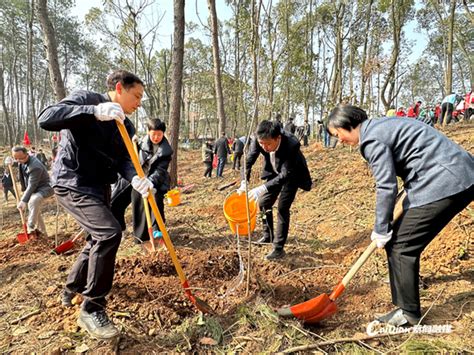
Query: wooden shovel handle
154	206
398	210
17	196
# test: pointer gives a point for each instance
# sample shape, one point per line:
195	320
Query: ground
330	228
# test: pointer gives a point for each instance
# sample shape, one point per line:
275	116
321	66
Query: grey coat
431	166
34	178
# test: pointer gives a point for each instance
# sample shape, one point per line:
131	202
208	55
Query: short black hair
155	124
268	129
346	116
19	148
126	78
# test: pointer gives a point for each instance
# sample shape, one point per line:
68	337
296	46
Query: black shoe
399	318
276	254
97	324
66	298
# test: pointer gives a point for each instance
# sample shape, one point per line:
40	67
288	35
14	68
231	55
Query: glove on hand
257	192
142	185
8	160
243	187
109	111
21	205
381	239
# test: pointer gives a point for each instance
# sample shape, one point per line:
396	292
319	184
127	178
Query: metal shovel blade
22	238
327	312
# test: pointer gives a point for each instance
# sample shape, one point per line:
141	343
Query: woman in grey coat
438	177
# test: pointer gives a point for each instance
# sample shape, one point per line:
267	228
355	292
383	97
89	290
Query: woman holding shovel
155	154
438	177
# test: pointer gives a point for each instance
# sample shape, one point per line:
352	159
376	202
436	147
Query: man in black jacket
285	171
91	153
290	126
221	148
238	149
7	184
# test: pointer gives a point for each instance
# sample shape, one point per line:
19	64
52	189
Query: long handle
17	197
154	206
398	210
147	210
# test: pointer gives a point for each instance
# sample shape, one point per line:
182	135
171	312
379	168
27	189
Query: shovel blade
23	238
64	247
308	309
327	312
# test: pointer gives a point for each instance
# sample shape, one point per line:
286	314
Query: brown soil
330	228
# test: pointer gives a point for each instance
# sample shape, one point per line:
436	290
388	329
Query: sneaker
275	254
399	318
97	324
66	298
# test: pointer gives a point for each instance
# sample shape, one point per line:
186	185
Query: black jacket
7	180
290	127
221	147
156	165
34	178
290	162
238	146
91	152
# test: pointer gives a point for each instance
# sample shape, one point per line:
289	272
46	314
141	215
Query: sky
223	12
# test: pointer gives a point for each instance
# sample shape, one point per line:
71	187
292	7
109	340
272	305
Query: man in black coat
7	184
238	149
284	171
221	148
290	126
91	154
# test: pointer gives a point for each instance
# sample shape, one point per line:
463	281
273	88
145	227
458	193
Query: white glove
8	161
243	187
257	192
135	138
142	185
21	205
381	239
109	111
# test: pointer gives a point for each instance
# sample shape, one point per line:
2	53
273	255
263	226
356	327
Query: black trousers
237	158
7	189
286	197
446	109
208	171
416	228
93	272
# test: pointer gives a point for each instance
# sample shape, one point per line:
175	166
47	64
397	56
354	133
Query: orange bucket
173	197
235	212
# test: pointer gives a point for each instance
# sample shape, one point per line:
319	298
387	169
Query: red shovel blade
23	238
327	312
64	247
307	309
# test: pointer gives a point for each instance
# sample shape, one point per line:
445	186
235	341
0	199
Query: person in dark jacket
238	149
35	183
7	184
284	171
42	157
207	152
91	153
438	178
290	126
155	155
221	148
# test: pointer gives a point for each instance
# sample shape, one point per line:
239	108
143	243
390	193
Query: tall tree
51	50
211	5
176	84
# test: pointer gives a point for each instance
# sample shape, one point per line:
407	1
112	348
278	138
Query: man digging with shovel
34	180
91	154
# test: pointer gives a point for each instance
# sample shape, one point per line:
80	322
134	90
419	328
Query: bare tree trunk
449	53
30	87
51	50
5	109
255	45
363	68
211	4
176	85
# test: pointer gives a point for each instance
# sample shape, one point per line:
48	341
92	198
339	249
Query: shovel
22	237
200	304
324	306
67	245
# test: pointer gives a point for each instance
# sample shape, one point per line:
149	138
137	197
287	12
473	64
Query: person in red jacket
400	112
417	108
437	112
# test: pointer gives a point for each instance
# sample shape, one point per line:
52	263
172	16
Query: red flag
26	139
